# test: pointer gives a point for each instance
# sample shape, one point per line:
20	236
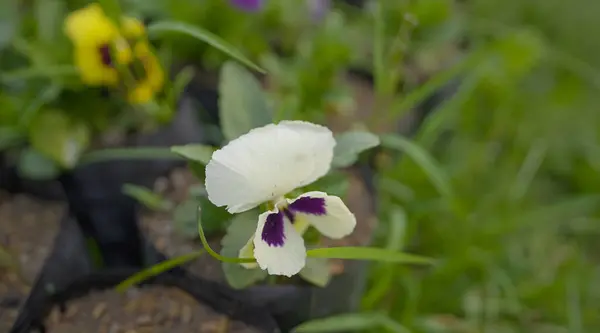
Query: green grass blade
202	35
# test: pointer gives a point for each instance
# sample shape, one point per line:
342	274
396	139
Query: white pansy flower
263	166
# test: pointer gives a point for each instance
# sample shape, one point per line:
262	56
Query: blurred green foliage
501	182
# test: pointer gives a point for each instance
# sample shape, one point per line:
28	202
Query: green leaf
350	145
316	271
195	152
134	153
9	21
182	79
49	16
10	137
435	173
157	269
53	134
33	165
368	253
351	322
202	35
147	197
240	230
242	102
184	218
213	218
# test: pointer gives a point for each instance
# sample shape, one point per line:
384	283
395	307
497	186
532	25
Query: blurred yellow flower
94	37
102	49
149	78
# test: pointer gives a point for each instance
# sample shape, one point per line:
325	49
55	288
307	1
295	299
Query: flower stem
210	251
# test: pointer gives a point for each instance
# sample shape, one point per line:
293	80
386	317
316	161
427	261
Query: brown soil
160	230
27	230
145	310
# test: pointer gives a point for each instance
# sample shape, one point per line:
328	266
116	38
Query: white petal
278	248
327	213
248	252
268	162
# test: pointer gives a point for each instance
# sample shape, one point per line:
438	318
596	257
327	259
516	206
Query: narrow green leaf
157	269
316	271
183	78
413	98
240	230
368	253
435	173
349	145
351	322
147	197
202	35
195	152
243	105
133	153
33	165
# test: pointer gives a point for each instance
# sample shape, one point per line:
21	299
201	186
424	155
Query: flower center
105	55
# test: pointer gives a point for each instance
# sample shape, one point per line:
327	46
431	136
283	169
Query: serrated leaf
350	145
316	271
240	230
202	35
147	197
33	165
242	102
63	140
195	152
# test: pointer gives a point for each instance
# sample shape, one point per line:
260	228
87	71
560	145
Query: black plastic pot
69	272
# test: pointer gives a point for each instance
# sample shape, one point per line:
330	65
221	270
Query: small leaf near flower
195	152
242	227
243	105
350	145
316	271
213	218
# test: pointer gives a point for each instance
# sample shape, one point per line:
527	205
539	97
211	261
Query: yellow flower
103	48
150	77
93	35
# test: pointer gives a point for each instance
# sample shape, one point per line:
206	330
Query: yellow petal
89	26
153	68
123	52
132	27
143	93
91	68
